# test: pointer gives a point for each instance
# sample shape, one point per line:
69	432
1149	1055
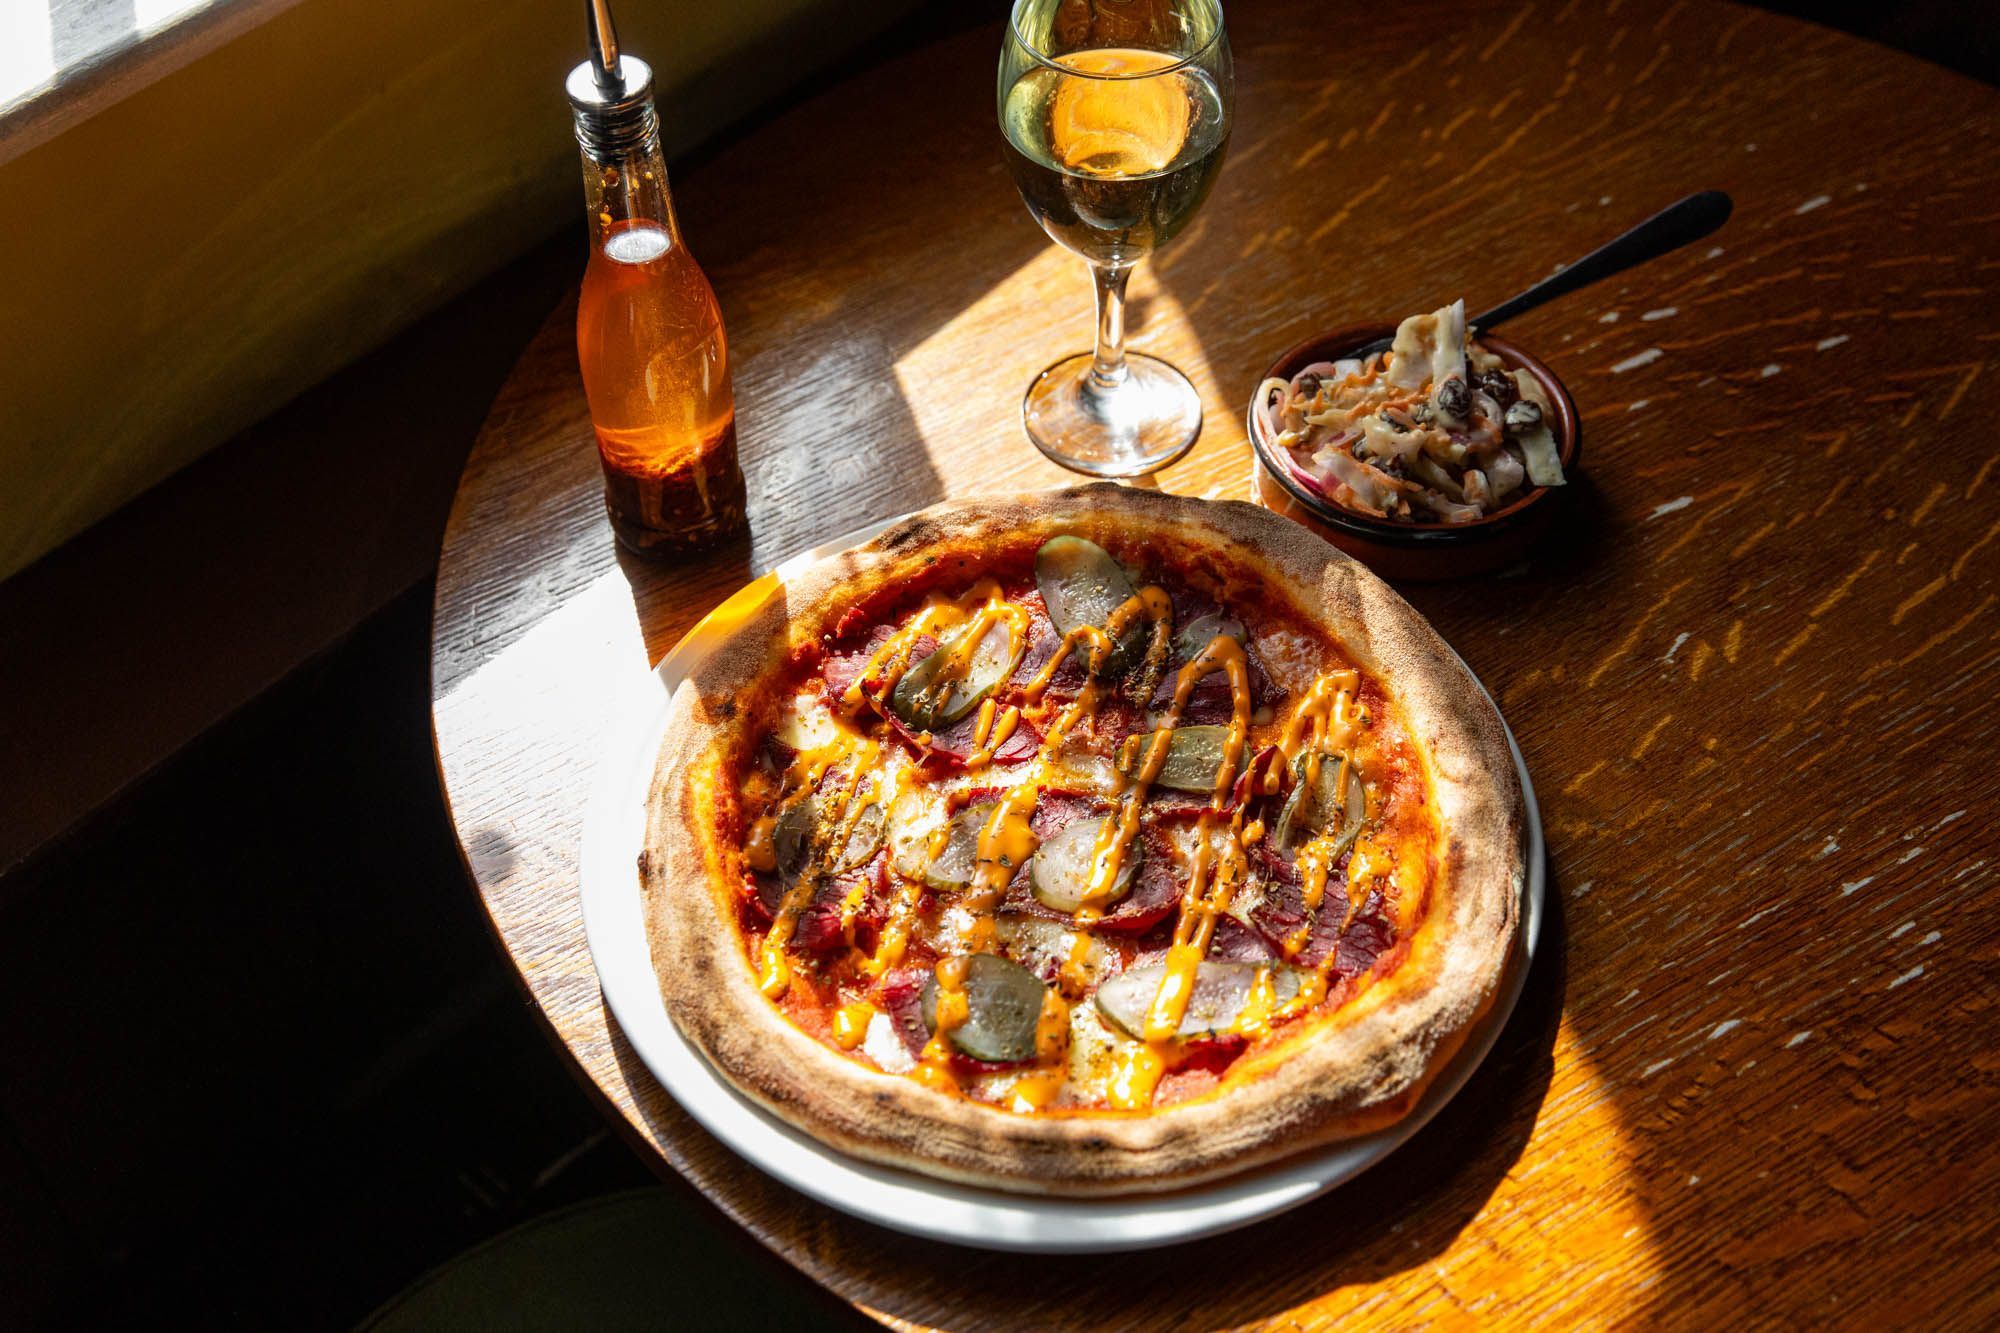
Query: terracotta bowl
1417	551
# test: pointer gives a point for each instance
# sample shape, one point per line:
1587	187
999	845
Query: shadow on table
670	598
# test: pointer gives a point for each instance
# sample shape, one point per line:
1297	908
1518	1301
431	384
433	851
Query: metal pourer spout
610	94
604	70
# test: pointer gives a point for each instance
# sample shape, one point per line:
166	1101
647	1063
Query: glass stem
1107	370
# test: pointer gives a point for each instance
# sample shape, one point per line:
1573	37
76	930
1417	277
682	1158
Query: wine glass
1115	115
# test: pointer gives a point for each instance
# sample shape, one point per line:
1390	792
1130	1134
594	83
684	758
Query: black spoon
1668	230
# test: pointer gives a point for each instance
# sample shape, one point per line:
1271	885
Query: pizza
1085	842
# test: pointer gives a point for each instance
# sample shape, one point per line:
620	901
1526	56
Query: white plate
614	921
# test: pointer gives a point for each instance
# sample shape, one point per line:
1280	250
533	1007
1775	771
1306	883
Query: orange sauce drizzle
895	937
1255	1020
760	850
1072	978
963	650
1136	1076
1327	711
1034	1091
1200	906
1320	728
857	809
970	615
994	729
933	1068
1324	712
808	768
1008	839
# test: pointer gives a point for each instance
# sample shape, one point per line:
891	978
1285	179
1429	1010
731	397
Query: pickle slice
793	838
1003	1004
1082	585
1060	870
1315	807
798	834
1221	991
952	870
1204	630
864	836
1194	757
926	704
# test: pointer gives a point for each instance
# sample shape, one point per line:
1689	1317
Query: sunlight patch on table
546	686
1036	315
1615	1232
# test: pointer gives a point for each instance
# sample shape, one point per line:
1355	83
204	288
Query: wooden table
1755	1073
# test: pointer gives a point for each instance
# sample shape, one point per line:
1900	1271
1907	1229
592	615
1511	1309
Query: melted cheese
884	1045
850	1023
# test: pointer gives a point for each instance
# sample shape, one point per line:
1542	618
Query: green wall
178	265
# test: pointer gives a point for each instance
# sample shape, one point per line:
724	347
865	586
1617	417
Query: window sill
66	62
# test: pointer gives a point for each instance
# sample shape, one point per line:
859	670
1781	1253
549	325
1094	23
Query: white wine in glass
1116	116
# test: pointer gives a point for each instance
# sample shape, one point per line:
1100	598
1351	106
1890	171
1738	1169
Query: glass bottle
649	334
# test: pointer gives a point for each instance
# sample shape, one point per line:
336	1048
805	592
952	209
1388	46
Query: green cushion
645	1258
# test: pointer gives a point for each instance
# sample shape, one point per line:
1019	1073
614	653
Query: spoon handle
1692	218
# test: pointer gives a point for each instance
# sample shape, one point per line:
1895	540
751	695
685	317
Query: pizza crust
1335	1076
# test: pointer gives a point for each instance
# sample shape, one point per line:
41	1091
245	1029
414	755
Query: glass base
1138	426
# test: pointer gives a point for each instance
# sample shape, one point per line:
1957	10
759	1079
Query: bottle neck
625	179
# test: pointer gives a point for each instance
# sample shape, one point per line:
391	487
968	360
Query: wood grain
1754	676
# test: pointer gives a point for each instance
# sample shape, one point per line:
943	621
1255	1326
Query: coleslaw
1435	430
